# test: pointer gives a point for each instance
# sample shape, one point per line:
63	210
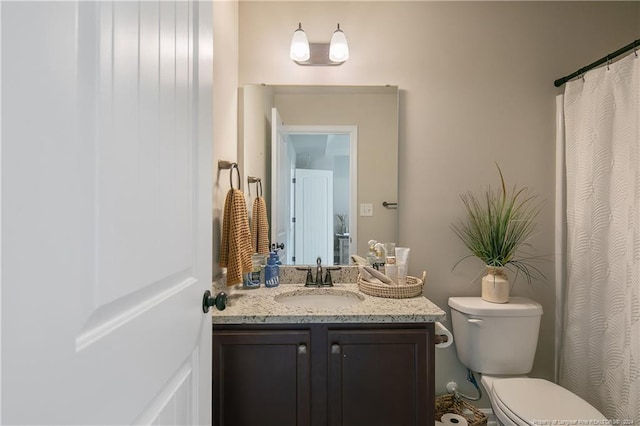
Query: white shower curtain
600	356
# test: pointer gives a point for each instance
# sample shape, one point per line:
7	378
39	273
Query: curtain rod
559	82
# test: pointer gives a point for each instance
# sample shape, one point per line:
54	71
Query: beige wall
225	110
476	88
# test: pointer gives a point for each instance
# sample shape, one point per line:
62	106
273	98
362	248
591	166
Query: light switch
366	209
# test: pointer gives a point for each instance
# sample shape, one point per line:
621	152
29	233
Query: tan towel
235	249
259	227
372	275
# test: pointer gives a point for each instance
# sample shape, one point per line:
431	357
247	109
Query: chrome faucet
327	281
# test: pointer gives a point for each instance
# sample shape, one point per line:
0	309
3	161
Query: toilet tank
496	338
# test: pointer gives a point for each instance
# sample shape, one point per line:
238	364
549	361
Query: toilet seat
505	416
524	400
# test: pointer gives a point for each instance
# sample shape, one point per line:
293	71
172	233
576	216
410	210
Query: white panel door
314	216
106	215
281	174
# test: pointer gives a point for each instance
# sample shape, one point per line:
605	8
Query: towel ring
258	182
234	166
226	165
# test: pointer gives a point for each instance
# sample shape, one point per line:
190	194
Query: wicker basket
450	404
413	288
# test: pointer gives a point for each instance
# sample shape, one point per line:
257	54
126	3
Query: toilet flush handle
476	321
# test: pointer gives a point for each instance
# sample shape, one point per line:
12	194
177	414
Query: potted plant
497	227
343	223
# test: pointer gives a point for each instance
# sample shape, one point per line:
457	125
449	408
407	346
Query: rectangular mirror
330	171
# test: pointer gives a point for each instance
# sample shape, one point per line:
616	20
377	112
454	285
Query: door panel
105	223
146	157
262	377
385	369
314	216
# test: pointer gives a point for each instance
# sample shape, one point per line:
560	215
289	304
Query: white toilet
499	341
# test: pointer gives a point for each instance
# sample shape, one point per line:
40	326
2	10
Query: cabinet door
380	378
261	378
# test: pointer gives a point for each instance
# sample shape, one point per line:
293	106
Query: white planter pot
495	285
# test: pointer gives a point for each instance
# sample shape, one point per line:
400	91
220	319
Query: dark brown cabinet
261	377
323	375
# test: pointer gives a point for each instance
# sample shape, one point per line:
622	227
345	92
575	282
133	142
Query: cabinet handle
302	349
335	349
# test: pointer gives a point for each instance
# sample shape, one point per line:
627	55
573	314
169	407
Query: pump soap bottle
272	270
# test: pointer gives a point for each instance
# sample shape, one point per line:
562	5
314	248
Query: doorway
324	193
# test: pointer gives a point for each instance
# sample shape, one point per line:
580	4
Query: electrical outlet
366	209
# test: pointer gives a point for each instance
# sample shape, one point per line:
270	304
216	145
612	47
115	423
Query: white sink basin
319	298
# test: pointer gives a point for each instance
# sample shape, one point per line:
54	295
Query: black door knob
219	301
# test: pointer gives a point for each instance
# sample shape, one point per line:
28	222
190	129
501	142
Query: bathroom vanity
369	363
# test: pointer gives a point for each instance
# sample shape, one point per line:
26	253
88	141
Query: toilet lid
538	399
517	307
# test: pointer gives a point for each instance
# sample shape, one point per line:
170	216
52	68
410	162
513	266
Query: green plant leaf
498	225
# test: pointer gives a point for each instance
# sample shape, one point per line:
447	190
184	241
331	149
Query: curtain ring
608	62
234	166
635	48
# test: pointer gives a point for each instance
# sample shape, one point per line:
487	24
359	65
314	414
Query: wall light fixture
299	45
333	53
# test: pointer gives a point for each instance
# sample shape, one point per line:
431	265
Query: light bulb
299	50
338	49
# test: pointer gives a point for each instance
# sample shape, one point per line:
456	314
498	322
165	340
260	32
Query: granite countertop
258	306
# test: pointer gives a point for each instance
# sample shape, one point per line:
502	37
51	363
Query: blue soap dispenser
272	270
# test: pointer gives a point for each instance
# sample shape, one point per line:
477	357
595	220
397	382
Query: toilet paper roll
441	329
450	419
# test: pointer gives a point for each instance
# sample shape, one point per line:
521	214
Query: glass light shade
299	45
338	49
